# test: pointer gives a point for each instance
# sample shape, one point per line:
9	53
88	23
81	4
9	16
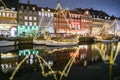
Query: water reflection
57	62
108	51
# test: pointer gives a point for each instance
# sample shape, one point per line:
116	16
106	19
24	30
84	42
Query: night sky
112	7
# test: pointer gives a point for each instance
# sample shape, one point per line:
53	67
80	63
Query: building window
30	18
3	14
51	14
11	15
27	7
20	22
35	13
13	9
35	18
39	13
0	13
30	12
7	14
33	8
48	14
45	14
26	18
26	12
42	13
35	24
20	17
42	9
22	7
20	12
26	23
30	23
49	10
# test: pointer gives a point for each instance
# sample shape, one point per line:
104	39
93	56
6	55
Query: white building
46	19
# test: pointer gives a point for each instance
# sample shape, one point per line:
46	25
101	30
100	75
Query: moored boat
7	43
39	42
55	43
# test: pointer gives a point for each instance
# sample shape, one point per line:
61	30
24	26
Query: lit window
30	23
7	14
20	12
45	14
87	12
3	14
42	9
33	8
42	14
105	17
30	18
35	24
35	18
49	10
51	14
26	18
0	13
26	23
13	8
48	14
76	16
39	13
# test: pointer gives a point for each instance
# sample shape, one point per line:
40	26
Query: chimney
28	1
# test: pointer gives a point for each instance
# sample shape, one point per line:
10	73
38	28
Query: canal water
88	61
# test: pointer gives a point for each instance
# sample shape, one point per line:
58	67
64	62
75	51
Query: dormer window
42	9
105	17
87	12
49	10
33	8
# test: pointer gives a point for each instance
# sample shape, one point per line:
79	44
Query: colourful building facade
27	19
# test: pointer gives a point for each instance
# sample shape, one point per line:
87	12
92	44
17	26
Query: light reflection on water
52	61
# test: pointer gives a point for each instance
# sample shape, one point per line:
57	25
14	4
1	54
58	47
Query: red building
70	22
86	23
74	20
61	21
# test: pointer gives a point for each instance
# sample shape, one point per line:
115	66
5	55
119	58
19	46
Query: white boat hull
39	42
7	43
116	40
50	43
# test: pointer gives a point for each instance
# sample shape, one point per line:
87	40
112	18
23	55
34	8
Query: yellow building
8	22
